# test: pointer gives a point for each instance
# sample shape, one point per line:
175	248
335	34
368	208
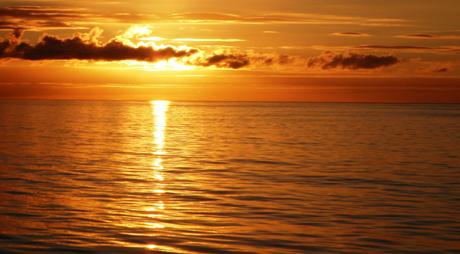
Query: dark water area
202	177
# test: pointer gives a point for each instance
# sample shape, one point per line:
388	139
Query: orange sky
290	50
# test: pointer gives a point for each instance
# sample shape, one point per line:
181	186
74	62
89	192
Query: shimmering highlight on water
177	177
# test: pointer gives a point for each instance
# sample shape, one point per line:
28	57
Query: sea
228	177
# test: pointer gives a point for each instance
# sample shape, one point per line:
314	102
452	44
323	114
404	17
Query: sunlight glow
142	36
152	38
138	31
151	246
169	65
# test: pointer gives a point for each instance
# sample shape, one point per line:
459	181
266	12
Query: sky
242	50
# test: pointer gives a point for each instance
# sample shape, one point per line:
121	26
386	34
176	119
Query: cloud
353	61
351	34
282	18
442	70
232	61
412	48
207	40
81	48
325	61
394	47
430	36
246	60
429	67
131	46
39	18
123	47
42	17
270	32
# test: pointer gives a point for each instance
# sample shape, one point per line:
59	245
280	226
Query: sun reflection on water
159	110
159	114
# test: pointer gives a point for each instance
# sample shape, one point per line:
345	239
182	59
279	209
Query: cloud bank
88	47
54	48
326	61
353	61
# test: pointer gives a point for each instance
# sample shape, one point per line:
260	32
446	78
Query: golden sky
283	50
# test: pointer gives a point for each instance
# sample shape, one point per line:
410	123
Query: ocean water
208	177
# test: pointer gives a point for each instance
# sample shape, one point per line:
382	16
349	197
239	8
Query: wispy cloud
270	32
430	36
283	18
412	48
41	17
351	34
403	47
207	40
45	17
408	48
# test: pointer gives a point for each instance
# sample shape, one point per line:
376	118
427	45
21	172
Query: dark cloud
53	48
353	61
442	70
226	61
17	33
268	60
285	59
87	47
326	61
7	45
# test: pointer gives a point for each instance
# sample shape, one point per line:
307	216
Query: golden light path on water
159	110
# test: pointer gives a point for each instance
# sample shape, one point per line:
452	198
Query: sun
168	65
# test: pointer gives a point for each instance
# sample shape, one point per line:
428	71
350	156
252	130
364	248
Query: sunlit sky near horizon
291	50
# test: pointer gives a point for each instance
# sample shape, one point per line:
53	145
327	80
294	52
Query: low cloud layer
54	48
88	47
351	61
231	61
325	61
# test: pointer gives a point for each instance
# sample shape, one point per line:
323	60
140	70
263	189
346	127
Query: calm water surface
142	177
